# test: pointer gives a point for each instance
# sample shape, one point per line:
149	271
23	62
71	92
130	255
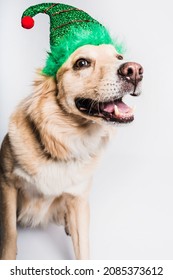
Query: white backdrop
131	199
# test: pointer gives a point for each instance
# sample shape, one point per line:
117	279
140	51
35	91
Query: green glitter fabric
70	28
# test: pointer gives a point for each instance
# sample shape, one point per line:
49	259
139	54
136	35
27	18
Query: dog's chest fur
54	178
40	191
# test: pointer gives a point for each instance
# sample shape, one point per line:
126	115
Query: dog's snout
131	71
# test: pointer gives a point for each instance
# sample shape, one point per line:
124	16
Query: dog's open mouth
112	111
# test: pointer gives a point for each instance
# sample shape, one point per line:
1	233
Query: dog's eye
81	63
119	56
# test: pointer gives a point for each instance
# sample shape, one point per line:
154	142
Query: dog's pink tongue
108	107
122	107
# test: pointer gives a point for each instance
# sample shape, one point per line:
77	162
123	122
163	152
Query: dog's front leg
8	233
78	223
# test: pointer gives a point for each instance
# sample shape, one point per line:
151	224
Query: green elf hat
70	28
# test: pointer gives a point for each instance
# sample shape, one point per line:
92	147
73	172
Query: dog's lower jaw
77	119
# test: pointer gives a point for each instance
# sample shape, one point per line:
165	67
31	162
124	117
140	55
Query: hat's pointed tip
27	22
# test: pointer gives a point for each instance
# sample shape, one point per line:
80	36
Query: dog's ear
45	84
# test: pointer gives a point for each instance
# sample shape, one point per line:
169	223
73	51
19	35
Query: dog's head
93	82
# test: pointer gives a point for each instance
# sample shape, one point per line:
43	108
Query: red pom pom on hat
27	22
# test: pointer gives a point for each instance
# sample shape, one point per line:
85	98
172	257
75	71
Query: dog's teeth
117	113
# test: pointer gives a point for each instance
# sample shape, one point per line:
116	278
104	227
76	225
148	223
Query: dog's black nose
131	71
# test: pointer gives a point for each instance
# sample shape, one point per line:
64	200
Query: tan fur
51	150
8	233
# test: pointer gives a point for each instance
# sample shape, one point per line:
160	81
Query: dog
55	140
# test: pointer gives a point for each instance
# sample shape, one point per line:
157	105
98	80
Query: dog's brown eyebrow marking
37	136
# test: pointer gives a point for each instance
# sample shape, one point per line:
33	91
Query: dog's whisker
92	104
98	107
